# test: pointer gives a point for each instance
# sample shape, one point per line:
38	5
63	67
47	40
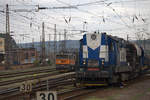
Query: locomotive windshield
62	56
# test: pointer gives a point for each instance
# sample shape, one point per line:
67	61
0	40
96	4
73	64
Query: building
26	55
16	55
12	49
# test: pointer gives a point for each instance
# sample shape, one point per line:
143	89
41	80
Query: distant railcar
65	62
106	59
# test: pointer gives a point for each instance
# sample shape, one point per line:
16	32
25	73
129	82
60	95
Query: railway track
30	76
27	72
3	83
63	81
71	95
136	80
79	93
42	85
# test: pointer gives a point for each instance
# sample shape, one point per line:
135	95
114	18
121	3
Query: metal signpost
26	88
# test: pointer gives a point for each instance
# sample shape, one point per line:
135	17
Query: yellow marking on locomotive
145	67
63	71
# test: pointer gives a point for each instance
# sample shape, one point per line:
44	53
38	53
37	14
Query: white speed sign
26	87
46	95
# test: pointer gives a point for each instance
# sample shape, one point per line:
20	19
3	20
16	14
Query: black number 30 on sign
26	87
46	95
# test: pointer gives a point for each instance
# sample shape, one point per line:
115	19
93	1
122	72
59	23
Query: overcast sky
116	17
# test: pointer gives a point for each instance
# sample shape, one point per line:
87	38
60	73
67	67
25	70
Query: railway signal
46	95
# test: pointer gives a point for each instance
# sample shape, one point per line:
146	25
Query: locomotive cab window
62	57
70	57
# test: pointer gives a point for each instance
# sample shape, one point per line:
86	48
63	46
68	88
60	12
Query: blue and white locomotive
107	59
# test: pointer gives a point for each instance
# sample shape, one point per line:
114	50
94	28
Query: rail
61	80
27	72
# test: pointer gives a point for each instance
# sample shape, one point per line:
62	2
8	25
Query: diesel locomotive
106	59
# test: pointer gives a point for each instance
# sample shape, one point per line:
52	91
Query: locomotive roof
112	37
65	53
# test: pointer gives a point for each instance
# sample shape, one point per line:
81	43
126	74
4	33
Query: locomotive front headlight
103	61
84	62
81	69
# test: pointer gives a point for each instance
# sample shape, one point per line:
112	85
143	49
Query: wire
108	5
91	12
129	1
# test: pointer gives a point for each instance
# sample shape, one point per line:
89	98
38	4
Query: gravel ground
136	91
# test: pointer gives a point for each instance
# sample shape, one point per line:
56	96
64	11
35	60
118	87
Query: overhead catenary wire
85	11
29	18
